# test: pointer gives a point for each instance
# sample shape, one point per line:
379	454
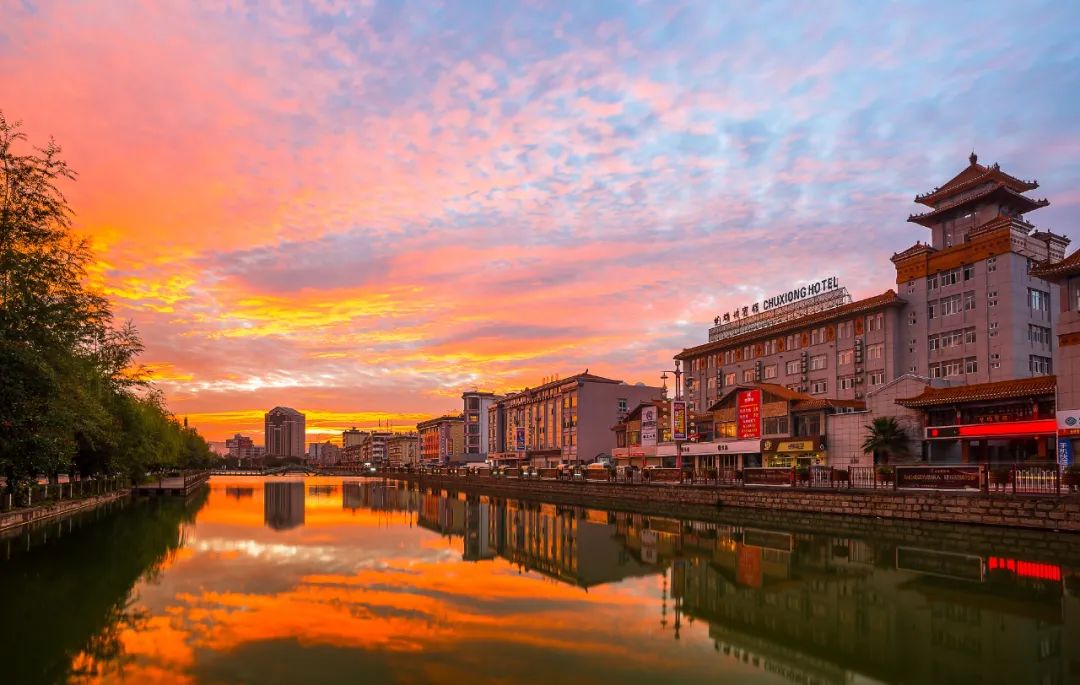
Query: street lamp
677	372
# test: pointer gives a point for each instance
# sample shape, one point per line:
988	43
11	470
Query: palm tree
884	439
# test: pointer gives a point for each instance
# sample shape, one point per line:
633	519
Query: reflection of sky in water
393	585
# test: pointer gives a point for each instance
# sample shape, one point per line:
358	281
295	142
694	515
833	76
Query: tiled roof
970	196
773	389
983	392
1070	266
971	176
885	299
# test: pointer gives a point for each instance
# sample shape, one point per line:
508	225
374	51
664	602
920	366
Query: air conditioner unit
858	369
858	380
858	395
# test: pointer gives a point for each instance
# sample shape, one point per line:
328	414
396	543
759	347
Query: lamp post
677	372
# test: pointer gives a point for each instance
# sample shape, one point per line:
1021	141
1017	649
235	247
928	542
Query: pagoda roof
974	175
916	249
885	299
982	392
1070	266
1014	197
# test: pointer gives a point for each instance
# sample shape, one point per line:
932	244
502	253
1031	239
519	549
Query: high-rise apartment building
284	432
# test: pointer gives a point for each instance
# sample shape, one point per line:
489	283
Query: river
325	580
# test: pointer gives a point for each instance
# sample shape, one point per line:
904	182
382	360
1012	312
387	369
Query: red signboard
749	414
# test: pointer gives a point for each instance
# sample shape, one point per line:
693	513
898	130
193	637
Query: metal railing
38	494
1027	478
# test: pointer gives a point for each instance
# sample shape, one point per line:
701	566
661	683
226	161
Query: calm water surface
329	581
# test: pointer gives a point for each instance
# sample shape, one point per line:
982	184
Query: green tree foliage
885	439
72	396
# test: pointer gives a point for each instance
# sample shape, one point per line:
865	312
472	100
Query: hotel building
284	429
562	421
973	307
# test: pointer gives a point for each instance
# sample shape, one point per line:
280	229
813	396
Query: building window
951	368
819	387
931	309
775	425
808	425
792	342
844	357
770	371
875	322
846	382
845	329
911	318
969	336
995	361
935	371
817	362
729	379
875	351
725	429
993	328
877	378
1040	366
932	343
971	365
793	367
951	305
817	336
969	272
969	300
622	406
932	282
991	265
991	298
1039	300
911	286
1038	335
950	277
748	375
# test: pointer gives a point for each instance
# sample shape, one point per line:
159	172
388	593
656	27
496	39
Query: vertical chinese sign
748	424
648	426
678	420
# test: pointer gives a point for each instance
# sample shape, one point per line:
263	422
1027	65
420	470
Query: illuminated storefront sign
992	430
806	445
700	448
748	403
1025	569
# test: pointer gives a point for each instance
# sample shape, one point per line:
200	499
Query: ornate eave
972	176
1022	202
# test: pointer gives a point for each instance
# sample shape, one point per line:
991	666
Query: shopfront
735	454
808	451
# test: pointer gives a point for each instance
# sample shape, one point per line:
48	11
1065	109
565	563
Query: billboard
519	439
678	420
938	477
748	403
648	426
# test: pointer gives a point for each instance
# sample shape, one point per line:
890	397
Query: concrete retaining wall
22	517
1046	513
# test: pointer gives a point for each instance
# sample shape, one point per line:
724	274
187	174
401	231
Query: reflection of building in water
377	497
478	531
321	490
283	505
822	610
239	493
445	515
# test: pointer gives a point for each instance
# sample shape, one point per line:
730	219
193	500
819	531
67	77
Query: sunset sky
361	209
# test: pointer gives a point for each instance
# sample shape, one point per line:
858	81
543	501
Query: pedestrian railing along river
1025	478
43	493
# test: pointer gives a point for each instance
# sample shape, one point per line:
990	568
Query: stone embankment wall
1048	513
22	517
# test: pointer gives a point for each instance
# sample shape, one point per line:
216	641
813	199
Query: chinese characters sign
648	426
678	420
748	404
